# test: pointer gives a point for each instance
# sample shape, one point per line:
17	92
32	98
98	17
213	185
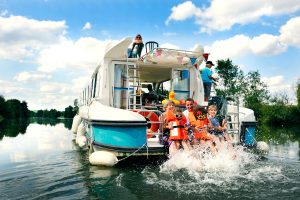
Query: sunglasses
138	37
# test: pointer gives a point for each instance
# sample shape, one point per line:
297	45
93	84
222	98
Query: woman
138	44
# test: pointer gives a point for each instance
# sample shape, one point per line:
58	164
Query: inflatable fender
104	158
80	132
262	147
82	141
75	123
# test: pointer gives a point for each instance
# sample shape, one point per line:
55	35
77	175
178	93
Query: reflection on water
39	160
11	128
39	140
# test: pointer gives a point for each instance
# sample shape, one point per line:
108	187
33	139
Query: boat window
164	89
98	86
120	86
94	85
181	83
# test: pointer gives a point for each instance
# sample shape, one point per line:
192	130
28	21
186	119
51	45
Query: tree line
15	109
248	87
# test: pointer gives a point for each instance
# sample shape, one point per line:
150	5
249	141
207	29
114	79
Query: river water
39	160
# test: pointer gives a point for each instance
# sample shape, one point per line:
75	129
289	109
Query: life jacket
178	132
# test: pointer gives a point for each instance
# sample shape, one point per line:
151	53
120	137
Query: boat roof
158	63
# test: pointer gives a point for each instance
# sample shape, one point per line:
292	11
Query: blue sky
49	48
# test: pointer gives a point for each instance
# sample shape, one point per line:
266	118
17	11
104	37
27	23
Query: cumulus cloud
230	48
222	15
84	53
289	33
87	26
182	12
31	76
21	36
169	46
266	44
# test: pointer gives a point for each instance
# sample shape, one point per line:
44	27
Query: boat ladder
134	86
233	121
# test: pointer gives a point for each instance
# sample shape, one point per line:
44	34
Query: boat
117	121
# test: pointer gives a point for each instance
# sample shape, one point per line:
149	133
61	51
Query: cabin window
98	88
120	86
181	83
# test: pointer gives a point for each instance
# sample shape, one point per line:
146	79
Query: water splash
199	172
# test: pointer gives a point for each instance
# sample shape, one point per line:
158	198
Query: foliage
70	112
231	78
13	109
248	87
278	113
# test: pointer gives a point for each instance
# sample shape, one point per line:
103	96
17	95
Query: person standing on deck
207	79
137	47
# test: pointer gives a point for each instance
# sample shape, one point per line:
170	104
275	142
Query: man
207	79
189	104
150	97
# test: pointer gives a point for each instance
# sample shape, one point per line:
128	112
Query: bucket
248	133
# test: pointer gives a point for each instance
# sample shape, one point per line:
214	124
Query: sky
49	48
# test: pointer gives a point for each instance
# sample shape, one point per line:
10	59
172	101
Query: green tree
69	112
231	78
3	110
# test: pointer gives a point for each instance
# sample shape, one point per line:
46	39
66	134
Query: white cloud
31	76
290	32
20	37
169	46
222	15
266	44
87	26
229	48
84	53
273	81
182	12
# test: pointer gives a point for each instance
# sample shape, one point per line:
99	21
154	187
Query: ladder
233	121
134	90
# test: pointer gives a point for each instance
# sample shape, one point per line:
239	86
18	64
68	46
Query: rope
136	152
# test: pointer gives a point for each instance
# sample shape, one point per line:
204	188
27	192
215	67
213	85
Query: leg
172	148
186	145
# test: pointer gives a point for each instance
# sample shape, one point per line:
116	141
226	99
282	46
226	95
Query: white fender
103	158
80	132
262	147
75	124
82	141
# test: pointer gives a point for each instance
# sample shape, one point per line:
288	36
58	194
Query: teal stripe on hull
119	136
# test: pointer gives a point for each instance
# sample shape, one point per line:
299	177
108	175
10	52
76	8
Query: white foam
199	171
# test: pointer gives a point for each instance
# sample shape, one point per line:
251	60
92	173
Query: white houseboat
117	120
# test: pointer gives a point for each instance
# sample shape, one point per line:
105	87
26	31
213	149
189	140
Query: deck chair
150	46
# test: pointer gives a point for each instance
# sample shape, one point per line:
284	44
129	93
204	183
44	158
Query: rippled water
39	160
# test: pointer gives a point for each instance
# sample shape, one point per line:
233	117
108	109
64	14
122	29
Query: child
214	125
199	124
176	123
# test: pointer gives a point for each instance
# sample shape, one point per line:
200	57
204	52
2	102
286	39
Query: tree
69	112
231	78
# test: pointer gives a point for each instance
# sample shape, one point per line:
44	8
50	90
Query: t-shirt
205	74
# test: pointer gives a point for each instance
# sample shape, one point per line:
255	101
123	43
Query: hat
209	62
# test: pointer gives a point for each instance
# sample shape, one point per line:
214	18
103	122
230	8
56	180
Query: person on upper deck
207	79
138	44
